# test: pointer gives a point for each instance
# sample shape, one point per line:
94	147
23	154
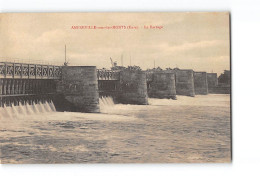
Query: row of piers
78	88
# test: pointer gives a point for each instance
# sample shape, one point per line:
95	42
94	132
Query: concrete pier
184	82
133	88
78	89
200	83
162	85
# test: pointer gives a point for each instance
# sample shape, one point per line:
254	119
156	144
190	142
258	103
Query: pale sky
198	41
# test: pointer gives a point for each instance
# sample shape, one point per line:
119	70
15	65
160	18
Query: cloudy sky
199	41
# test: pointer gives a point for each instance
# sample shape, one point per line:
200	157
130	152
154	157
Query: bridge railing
104	74
29	71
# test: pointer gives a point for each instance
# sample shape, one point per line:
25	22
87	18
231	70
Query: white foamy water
25	110
198	100
184	130
106	103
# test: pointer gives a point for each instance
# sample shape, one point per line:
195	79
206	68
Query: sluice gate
27	83
124	86
108	82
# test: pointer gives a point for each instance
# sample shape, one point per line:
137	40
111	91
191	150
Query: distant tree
154	69
118	68
224	78
159	69
135	68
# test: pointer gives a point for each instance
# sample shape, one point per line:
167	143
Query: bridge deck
29	71
37	71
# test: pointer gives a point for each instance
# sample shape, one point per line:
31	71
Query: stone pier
162	85
78	89
200	83
212	79
133	88
184	82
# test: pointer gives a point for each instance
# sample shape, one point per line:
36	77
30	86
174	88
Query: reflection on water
187	130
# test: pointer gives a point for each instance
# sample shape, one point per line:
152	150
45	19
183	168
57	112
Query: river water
190	129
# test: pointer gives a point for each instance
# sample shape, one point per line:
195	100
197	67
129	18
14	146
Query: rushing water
26	110
184	130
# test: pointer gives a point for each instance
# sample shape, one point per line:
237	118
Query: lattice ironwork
17	70
32	70
45	71
9	69
29	71
51	72
25	70
2	69
56	72
104	74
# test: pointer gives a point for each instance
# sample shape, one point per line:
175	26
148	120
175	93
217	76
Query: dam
50	114
78	88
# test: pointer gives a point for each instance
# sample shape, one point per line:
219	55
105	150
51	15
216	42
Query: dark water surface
184	130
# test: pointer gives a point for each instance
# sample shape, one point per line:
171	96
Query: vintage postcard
115	88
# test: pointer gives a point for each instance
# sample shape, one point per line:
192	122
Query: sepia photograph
115	87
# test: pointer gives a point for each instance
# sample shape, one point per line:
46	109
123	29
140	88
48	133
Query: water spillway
26	109
71	88
108	88
37	96
23	84
83	88
106	101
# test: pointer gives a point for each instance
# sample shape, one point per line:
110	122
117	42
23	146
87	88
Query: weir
85	88
22	84
26	109
108	83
